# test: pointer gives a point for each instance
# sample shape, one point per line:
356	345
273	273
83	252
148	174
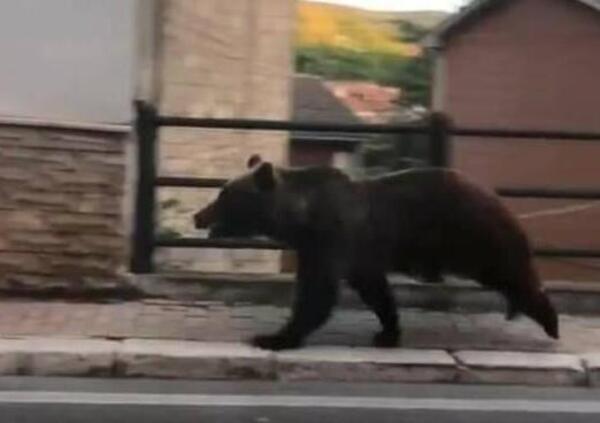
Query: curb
192	360
366	365
504	367
135	358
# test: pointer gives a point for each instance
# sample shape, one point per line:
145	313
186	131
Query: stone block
37	241
194	360
520	368
14	174
81	265
21	220
591	362
70	357
57	357
366	365
77	141
42	200
83	223
60	187
10	357
15	262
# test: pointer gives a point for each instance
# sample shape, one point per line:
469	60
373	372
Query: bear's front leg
316	293
373	288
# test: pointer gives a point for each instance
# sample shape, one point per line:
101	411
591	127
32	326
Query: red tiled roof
369	101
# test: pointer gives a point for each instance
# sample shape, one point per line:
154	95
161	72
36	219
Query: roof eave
437	38
594	4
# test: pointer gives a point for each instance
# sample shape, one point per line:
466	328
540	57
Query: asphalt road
34	400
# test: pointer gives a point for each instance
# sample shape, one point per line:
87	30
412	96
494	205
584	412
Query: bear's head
244	206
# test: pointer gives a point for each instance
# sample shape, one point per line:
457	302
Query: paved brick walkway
212	321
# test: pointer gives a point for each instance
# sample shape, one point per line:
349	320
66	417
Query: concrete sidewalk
203	340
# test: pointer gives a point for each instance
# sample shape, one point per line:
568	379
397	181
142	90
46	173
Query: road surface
35	400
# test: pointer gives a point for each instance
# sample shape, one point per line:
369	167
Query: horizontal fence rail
563	252
182	182
232	243
281	125
420	128
527	134
568	194
437	127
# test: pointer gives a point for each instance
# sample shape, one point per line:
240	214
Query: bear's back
439	206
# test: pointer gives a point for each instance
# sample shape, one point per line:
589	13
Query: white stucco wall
67	60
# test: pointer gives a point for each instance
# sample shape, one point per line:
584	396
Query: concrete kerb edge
67	357
36	356
193	360
504	368
366	365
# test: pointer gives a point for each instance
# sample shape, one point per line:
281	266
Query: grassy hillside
358	30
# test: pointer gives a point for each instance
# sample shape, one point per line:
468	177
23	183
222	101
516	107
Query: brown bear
424	222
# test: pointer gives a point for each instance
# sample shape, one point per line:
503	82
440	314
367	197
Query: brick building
528	64
220	59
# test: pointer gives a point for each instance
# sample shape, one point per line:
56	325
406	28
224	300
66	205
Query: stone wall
220	59
61	207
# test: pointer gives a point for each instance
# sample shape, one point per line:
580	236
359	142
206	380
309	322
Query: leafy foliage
345	43
337	63
415	74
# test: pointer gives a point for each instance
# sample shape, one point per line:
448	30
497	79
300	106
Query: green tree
414	75
410	32
390	152
337	63
414	78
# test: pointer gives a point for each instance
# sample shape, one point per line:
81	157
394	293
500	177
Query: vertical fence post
144	220
439	138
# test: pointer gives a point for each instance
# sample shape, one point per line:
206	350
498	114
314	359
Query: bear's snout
204	218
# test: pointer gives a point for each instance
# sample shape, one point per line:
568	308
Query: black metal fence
437	128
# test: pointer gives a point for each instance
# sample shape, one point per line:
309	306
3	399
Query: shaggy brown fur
423	222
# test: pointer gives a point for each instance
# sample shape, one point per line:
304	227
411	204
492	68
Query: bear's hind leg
374	289
522	289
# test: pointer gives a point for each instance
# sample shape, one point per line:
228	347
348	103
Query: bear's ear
253	161
264	177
